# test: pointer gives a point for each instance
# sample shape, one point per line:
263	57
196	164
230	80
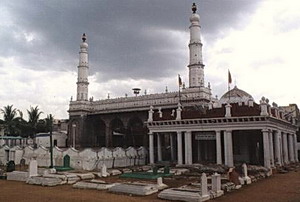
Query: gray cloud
118	33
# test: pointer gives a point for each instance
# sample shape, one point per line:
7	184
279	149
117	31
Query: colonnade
279	147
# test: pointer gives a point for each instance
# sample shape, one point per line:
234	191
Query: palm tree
10	118
33	118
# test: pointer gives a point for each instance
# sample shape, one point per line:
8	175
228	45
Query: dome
236	95
195	17
84	45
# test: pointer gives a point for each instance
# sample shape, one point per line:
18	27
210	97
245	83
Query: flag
179	80
229	77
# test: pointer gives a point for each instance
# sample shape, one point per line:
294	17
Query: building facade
187	126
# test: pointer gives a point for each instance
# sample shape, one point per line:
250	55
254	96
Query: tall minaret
196	66
83	71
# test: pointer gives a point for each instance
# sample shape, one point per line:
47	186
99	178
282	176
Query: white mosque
189	126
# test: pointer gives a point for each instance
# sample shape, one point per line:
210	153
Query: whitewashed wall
87	159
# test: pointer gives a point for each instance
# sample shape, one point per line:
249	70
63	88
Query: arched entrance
136	132
118	133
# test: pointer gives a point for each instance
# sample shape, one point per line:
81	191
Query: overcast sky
144	43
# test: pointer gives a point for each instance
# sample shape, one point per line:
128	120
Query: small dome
195	17
84	45
236	95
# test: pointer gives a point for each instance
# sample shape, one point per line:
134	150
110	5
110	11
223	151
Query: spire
194	7
196	66
83	37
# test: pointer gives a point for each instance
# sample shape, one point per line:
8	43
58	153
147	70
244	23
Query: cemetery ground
277	188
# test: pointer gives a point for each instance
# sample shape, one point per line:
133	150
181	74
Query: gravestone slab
93	185
135	189
17	176
44	181
174	194
85	176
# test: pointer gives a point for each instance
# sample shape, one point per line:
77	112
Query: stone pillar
266	142
228	110
159	154
218	147
271	149
204	191
179	148
172	146
33	168
291	147
151	148
277	142
296	147
228	148
188	148
285	148
216	184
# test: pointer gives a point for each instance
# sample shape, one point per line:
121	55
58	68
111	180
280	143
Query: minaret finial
83	37
194	8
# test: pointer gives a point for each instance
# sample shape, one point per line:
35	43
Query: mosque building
189	126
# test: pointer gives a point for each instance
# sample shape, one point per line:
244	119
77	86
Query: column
266	143
296	147
291	147
281	148
151	148
271	149
179	148
218	147
188	147
285	148
172	146
277	140
228	148
159	154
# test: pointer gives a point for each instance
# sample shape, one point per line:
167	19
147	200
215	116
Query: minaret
83	71
196	66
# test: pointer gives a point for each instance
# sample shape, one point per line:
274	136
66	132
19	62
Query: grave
216	185
17	176
186	194
245	177
148	175
43	181
33	168
135	189
10	166
94	184
66	165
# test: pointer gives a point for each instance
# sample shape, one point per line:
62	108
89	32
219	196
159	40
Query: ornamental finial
83	37
194	8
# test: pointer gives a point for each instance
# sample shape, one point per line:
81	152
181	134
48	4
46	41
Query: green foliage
15	125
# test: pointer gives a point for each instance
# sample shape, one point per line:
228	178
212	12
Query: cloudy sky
143	43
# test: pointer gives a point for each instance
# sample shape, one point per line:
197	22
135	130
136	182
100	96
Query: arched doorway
136	132
118	133
99	132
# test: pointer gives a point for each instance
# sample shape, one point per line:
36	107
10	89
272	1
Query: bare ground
278	188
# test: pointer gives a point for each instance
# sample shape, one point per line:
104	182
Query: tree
33	118
10	119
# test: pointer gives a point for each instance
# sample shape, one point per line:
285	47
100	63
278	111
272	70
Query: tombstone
216	184
22	163
104	172
33	168
10	166
155	169
166	170
246	178
67	161
204	192
160	184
